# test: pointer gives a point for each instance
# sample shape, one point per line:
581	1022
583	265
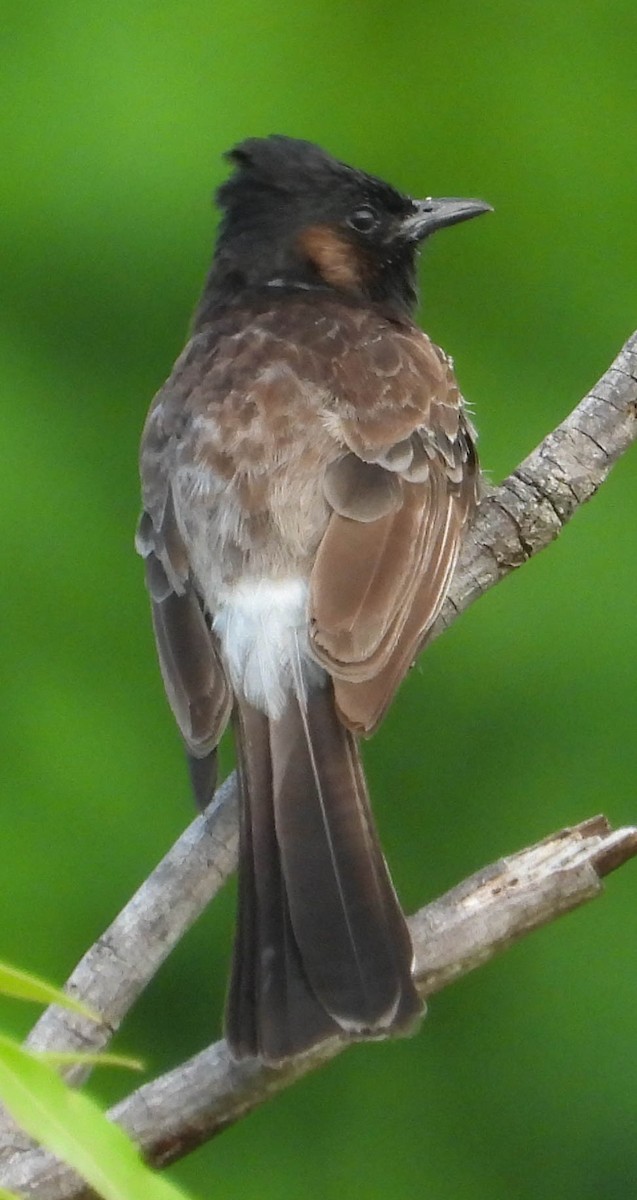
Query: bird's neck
229	286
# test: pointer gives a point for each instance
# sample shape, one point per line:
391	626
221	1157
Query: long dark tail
321	946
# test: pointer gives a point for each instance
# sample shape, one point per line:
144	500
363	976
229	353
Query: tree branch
527	512
462	930
514	522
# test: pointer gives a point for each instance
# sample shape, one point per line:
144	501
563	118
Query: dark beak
430	215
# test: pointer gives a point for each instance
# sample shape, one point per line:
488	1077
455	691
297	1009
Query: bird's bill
431	215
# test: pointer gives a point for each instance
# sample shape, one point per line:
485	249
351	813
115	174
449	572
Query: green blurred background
523	1082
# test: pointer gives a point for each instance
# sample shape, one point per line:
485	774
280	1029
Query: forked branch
469	925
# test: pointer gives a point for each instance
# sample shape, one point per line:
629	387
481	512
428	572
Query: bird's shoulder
369	379
367	358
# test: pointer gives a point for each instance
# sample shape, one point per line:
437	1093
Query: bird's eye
364	219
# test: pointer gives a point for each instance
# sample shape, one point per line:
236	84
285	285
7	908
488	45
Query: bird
308	472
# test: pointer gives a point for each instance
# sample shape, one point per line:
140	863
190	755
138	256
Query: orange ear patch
334	257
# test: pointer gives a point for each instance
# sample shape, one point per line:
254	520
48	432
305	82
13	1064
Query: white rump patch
262	627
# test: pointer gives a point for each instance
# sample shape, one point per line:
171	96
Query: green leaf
23	986
5	1195
62	1058
72	1127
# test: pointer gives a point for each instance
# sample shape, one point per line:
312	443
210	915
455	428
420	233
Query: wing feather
194	678
378	585
363	705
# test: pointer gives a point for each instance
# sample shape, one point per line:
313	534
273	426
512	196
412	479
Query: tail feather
321	946
271	1012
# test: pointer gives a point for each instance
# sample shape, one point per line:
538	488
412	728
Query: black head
296	218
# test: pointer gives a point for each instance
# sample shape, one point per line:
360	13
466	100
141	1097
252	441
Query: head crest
291	165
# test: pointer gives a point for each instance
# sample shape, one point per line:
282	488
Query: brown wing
192	672
399	510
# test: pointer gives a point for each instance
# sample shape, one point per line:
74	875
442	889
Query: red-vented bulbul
307	472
